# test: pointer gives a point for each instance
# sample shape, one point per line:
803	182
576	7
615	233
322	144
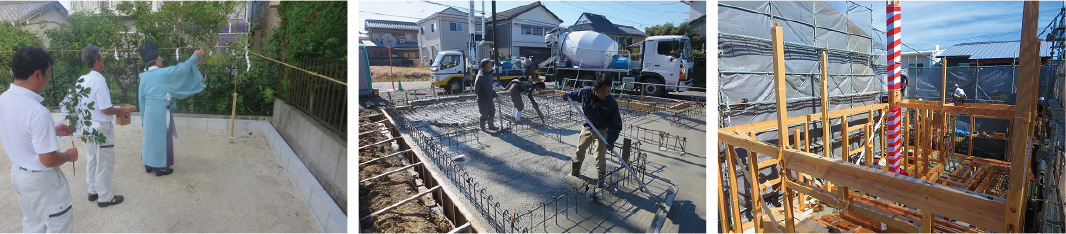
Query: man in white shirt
959	96
100	167
29	138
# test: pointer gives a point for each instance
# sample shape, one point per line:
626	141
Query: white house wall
536	17
48	20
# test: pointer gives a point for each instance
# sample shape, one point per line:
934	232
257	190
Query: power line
391	15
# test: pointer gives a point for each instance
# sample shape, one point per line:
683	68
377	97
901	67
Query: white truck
664	63
451	71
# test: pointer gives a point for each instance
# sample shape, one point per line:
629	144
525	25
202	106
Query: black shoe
493	127
93	197
148	170
114	201
164	172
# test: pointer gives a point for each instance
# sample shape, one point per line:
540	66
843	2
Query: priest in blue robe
160	88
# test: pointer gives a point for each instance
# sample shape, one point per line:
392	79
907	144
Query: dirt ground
216	187
384	73
412	217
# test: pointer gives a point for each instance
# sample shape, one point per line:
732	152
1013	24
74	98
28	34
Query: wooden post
1029	72
970	152
733	193
844	141
944	81
927	222
722	214
756	193
826	137
868	139
778	44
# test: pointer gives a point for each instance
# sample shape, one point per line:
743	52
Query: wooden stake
826	140
1029	72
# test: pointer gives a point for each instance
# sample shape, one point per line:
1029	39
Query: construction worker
29	138
959	96
485	95
519	86
602	110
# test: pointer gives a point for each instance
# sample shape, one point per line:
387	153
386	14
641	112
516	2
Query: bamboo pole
1029	71
778	44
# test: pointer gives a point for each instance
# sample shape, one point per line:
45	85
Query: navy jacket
602	113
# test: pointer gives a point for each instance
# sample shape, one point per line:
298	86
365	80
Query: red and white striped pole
895	113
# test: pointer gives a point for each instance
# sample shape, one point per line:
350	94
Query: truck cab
666	60
450	71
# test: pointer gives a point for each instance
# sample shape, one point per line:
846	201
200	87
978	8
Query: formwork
946	189
517	179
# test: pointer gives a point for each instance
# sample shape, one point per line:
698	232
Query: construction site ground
530	163
215	187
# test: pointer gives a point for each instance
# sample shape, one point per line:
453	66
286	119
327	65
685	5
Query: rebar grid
441	129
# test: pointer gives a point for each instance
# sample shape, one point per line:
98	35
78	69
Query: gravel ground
216	187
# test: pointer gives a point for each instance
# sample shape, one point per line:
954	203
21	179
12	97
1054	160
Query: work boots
575	169
492	126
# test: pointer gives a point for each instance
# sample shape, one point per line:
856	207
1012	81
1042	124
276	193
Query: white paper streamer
116	54
248	61
176	54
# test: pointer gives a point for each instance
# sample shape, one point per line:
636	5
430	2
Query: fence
324	100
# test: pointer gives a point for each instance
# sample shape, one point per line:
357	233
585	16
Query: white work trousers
44	197
101	164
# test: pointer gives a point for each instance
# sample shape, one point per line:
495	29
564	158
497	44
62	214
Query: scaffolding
946	191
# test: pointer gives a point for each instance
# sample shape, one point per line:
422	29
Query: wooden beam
1029	73
845	145
761	126
749	144
978	209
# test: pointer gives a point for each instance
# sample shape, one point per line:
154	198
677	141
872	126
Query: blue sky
926	24
639	14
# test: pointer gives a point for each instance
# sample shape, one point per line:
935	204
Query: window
410	37
670	48
432	27
422	30
964	64
527	30
456	27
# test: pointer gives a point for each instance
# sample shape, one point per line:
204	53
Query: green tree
314	29
13	38
105	30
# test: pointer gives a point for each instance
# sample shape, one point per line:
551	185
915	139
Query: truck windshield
446	61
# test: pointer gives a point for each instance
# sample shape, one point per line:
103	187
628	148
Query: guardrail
324	100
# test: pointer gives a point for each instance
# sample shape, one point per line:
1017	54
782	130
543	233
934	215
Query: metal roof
18	11
992	50
389	24
514	12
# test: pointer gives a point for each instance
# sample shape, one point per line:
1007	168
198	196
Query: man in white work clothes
29	138
100	167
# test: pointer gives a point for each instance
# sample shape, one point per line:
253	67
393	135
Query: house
920	59
35	17
697	16
448	30
406	46
622	34
522	30
990	53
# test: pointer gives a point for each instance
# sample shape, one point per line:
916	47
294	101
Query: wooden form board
1029	71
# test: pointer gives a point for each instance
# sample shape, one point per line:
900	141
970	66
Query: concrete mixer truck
663	65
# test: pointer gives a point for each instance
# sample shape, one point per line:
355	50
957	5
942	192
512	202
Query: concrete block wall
322	152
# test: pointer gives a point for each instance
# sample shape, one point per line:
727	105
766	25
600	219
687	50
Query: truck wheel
455	86
654	87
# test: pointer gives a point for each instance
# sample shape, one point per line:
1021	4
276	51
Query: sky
639	14
927	24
